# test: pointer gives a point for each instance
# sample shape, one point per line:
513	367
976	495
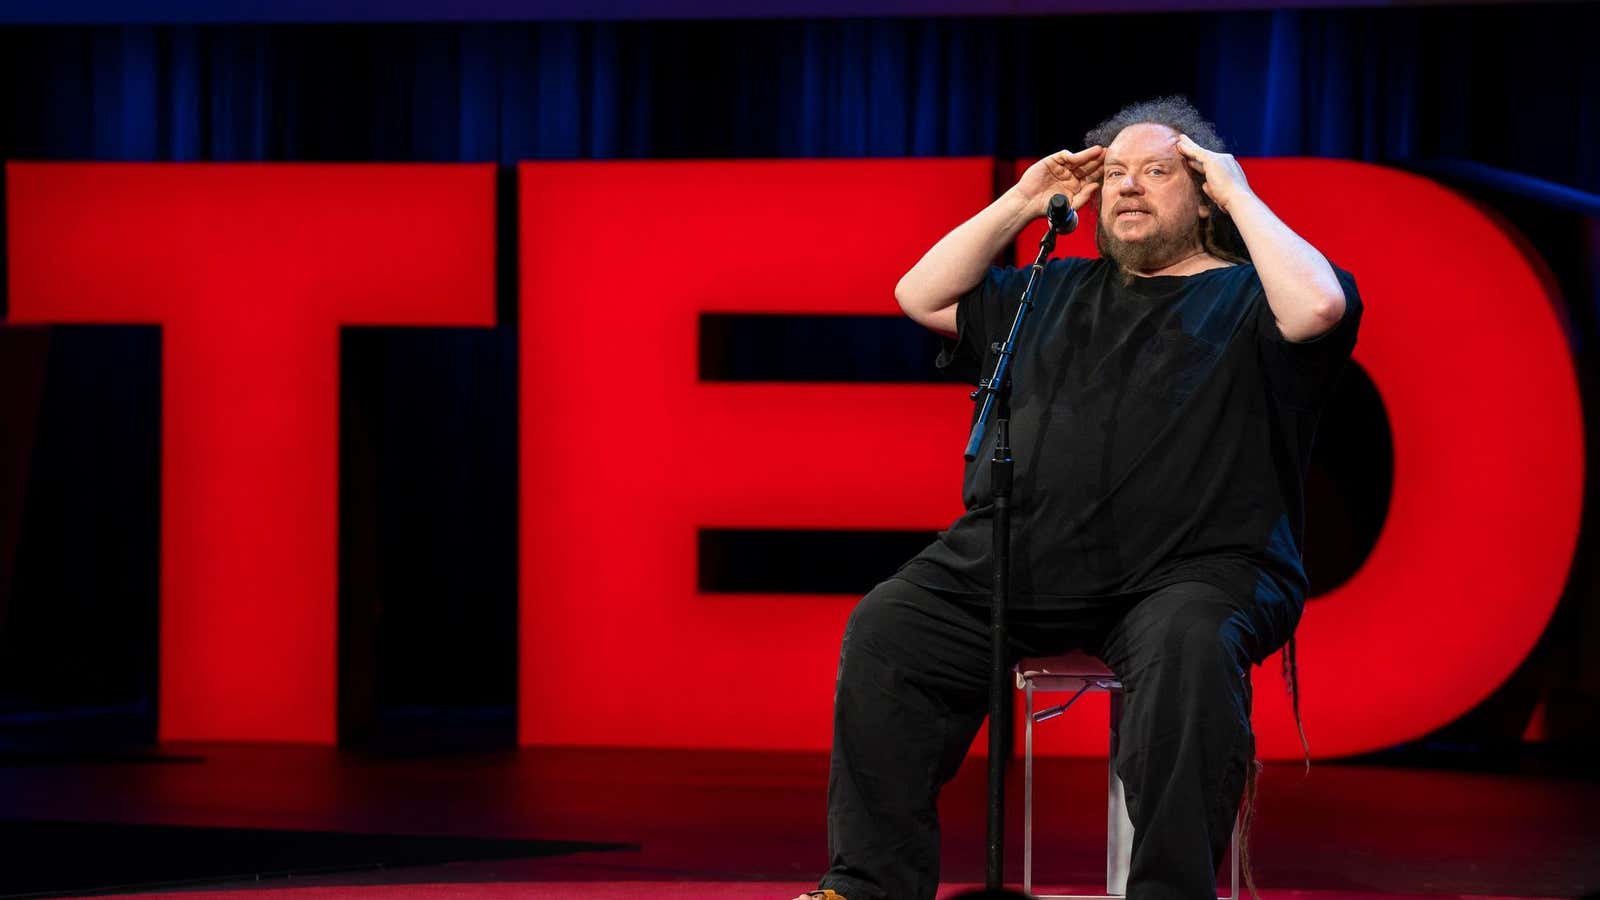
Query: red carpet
712	824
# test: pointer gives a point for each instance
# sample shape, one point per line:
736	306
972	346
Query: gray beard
1159	250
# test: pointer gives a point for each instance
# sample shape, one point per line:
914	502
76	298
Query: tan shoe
821	895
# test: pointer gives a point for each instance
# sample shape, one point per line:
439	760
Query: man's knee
1210	645
876	630
1213	669
907	634
876	615
1199	634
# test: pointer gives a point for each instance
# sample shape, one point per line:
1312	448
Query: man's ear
1200	194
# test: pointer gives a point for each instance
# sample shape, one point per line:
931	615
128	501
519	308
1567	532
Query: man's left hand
1224	181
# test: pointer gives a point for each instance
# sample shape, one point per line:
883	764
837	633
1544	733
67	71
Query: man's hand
930	292
1223	180
1075	174
1300	285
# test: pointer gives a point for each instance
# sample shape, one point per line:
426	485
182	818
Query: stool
1079	673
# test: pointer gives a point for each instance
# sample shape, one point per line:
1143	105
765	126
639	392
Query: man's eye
1158	171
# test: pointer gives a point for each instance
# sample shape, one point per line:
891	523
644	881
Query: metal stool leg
1027	794
1119	827
1234	894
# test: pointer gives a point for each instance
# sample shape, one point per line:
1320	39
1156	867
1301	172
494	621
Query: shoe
821	895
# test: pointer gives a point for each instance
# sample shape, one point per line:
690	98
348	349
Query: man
1164	401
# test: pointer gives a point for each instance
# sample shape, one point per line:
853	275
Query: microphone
1063	218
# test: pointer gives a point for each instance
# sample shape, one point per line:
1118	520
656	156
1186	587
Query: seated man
1164	401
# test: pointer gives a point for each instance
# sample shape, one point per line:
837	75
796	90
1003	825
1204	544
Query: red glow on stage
625	453
250	270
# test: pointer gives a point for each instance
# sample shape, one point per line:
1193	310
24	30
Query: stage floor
209	819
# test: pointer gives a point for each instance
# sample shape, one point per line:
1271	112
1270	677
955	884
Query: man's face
1149	208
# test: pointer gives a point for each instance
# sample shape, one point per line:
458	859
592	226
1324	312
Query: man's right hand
1075	174
931	291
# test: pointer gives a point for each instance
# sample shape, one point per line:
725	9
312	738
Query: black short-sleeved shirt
1161	428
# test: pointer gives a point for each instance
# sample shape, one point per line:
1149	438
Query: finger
1084	193
1086	154
1189	148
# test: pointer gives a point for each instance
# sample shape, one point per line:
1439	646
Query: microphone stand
994	396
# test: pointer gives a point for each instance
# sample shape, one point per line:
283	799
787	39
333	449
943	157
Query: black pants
913	690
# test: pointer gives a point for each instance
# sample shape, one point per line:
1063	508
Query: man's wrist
1020	209
1243	204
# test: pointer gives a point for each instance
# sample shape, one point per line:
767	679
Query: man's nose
1127	184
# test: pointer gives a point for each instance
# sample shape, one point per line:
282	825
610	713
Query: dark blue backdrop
1474	95
1508	86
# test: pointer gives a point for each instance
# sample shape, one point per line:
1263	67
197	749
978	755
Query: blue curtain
1386	85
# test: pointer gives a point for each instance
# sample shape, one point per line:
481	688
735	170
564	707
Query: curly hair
1218	235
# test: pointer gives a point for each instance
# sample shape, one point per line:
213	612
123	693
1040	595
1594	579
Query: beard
1163	247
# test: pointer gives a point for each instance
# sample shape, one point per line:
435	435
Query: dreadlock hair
1291	677
1218	235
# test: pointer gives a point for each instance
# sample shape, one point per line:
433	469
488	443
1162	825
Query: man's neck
1195	262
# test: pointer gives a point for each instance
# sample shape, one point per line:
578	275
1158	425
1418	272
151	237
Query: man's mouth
1132	212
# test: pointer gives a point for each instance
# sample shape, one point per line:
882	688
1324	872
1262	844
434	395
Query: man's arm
1301	288
928	293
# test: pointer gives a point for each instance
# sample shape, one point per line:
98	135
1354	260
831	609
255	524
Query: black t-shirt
1161	429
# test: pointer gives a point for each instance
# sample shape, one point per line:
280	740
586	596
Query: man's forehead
1143	141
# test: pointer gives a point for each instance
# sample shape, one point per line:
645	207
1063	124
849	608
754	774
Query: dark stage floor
546	822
